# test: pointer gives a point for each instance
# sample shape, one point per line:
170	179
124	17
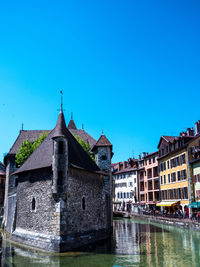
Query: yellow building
173	169
194	168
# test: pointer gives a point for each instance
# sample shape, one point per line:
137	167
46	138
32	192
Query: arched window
60	147
60	178
33	204
83	203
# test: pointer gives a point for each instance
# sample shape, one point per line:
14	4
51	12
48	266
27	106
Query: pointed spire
71	124
60	129
61	108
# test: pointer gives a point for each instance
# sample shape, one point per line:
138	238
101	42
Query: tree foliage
27	148
85	146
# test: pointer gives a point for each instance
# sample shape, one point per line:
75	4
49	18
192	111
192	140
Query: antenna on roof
71	115
102	132
82	126
22	126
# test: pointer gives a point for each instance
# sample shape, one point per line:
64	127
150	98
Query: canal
134	243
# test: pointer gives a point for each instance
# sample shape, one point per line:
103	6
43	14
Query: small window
104	157
33	204
60	178
60	147
16	182
83	203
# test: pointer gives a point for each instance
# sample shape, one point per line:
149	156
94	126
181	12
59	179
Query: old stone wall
88	188
37	185
10	194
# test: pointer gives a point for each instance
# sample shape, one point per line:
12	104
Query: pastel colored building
173	169
148	180
125	185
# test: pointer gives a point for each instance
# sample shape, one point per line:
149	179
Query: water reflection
134	243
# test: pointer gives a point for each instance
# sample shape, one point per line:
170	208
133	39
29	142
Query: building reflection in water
134	243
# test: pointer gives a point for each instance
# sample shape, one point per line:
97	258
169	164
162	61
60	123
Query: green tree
39	140
27	148
85	146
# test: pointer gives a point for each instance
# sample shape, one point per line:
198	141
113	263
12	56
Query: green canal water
134	243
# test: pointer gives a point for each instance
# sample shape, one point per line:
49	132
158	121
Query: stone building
59	199
2	184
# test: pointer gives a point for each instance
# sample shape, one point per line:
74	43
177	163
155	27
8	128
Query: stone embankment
183	223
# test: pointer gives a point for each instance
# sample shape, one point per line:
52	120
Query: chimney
143	154
197	127
190	132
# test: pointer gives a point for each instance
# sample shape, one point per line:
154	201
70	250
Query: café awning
167	203
194	205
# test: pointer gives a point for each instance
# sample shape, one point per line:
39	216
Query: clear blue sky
131	68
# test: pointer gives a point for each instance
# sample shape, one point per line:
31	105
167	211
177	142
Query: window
164	179
184	174
172	163
161	181
168	164
177	161
104	157
149	160
173	177
164	166
169	178
154	159
134	180
183	159
179	175
60	178
60	147
161	167
33	204
83	203
178	193
185	192
16	182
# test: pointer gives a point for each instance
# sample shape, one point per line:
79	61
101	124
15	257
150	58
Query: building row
168	178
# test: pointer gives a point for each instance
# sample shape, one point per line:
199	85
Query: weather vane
61	108
61	92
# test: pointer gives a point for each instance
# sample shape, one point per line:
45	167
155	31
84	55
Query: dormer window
60	147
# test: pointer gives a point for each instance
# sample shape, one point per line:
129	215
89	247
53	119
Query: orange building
148	180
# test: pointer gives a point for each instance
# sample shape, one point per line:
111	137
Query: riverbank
184	223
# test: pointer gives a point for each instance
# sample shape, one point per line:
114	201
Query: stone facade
60	222
59	199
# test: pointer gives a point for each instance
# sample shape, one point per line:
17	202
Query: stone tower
103	153
60	157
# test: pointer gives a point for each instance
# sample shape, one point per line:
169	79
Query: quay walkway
173	220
